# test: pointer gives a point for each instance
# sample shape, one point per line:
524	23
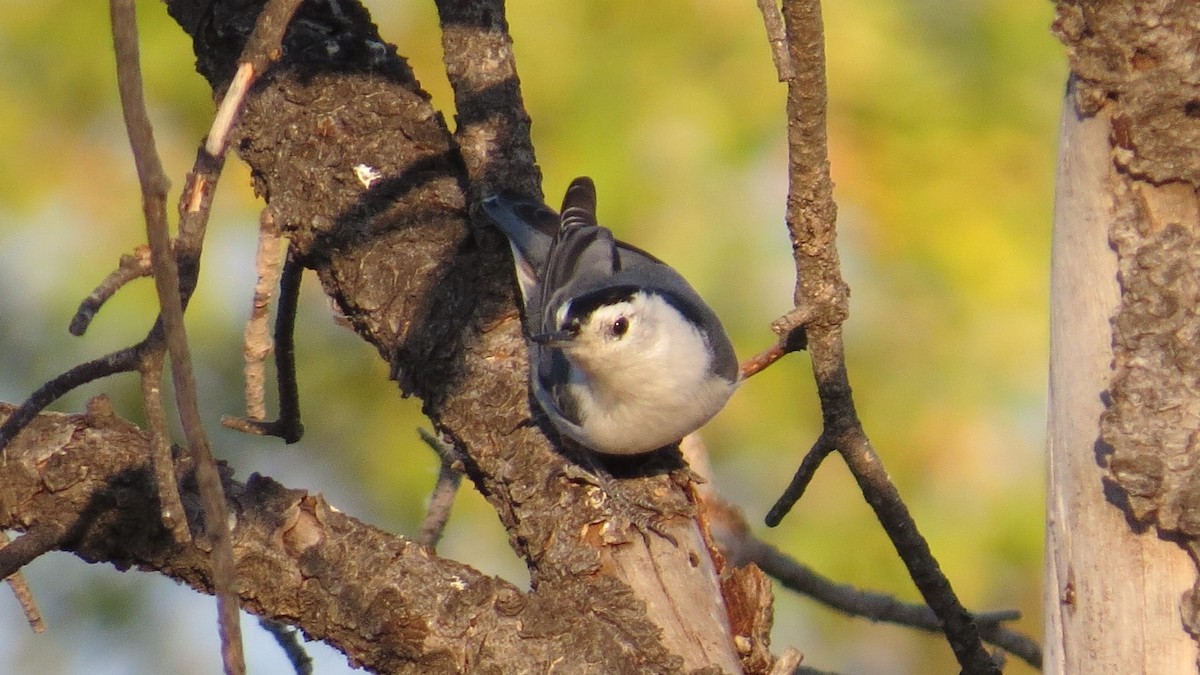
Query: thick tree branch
435	298
495	145
383	600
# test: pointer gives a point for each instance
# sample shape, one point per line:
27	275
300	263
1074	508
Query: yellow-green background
942	136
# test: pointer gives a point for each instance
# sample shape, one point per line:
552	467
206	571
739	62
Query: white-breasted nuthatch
625	357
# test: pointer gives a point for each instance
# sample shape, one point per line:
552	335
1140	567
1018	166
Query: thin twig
133	266
171	510
804	475
121	361
882	607
444	492
154	186
822	300
20	588
288	426
257	343
879	491
777	37
256	339
288	639
740	546
19	552
263	48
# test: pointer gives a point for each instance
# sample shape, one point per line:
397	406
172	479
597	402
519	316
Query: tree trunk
1124	464
1112	595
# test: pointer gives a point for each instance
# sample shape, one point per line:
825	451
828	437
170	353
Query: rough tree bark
418	276
1124	508
433	292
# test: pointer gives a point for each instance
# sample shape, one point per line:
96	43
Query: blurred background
942	132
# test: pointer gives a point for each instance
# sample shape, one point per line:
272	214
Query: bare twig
777	36
822	300
20	588
121	361
760	361
174	519
288	425
804	475
154	186
444	492
288	639
880	606
261	50
20	551
741	546
133	266
792	338
285	349
257	343
262	47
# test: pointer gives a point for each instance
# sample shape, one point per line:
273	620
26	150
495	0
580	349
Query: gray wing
550	376
529	226
581	256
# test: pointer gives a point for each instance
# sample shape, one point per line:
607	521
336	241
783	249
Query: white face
614	323
628	343
641	375
609	331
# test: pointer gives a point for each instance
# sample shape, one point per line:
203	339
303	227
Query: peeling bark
1129	166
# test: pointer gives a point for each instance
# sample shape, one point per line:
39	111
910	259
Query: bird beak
556	338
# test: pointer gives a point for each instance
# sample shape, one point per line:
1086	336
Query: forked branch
822	301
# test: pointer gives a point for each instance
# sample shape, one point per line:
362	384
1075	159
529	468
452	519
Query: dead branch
288	639
822	300
154	185
450	473
133	266
37	540
386	602
16	581
89	483
170	506
271	251
121	361
742	547
257	343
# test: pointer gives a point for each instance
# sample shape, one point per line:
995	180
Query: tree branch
154	185
397	256
822	301
385	601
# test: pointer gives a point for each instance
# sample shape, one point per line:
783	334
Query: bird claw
644	515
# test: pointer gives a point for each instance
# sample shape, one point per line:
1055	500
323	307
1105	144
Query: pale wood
1111	597
678	583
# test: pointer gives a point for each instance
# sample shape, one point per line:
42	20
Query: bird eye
620	326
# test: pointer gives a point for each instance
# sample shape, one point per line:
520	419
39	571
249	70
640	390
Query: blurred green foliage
942	133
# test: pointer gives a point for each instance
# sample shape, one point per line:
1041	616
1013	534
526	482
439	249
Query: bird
625	356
